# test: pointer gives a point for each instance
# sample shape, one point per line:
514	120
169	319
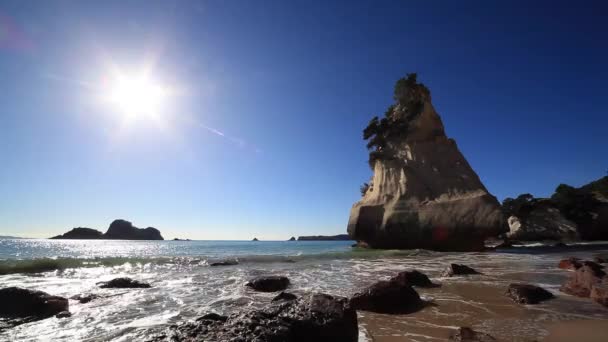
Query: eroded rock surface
313	317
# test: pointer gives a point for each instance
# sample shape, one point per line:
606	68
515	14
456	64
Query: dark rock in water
601	259
269	283
583	281
255	239
571	263
84	298
465	334
339	237
393	297
528	294
123	283
292	239
284	296
457	269
224	263
314	317
560	245
212	317
81	233
20	305
414	278
63	314
599	292
124	230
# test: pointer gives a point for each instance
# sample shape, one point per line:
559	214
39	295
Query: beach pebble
528	294
268	283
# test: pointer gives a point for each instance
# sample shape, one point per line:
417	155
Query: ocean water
185	286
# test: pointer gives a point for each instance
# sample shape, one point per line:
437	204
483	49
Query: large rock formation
423	193
119	229
544	222
21	305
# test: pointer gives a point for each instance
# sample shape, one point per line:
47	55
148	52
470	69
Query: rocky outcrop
588	281
414	278
394	296
20	305
528	294
423	193
340	237
268	283
119	230
124	230
284	296
81	233
571	263
314	317
465	334
123	283
292	238
543	222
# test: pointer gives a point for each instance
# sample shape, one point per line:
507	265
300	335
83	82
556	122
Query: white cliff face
426	196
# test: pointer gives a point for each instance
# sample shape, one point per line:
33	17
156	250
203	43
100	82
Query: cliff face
425	195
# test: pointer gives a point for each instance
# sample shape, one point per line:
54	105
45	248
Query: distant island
339	237
118	230
5	237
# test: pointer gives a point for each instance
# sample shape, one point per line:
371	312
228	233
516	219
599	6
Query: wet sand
484	307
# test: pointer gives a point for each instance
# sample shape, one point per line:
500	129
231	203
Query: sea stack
423	192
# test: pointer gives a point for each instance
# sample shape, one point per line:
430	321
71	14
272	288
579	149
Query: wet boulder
268	283
465	334
19	305
123	283
230	262
393	297
64	314
84	298
571	263
528	294
284	296
414	278
313	317
599	292
458	269
581	282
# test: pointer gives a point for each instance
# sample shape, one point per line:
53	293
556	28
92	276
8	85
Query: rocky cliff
81	233
423	193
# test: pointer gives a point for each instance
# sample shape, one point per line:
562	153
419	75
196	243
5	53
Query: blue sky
521	86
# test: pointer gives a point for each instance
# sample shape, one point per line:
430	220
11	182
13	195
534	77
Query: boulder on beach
528	294
392	297
313	317
123	283
268	283
458	269
465	334
16	303
588	281
414	278
423	192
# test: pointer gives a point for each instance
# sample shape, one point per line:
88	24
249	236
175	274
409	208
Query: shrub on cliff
383	133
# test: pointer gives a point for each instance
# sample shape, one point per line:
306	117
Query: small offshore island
424	199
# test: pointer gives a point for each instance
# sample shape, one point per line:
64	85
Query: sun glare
137	96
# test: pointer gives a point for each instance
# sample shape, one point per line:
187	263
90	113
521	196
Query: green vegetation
382	134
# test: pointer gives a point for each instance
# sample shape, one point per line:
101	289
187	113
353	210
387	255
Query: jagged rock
457	269
424	193
84	298
285	296
414	278
571	263
589	280
64	314
465	334
528	294
124	230
268	283
19	305
314	317
543	222
394	296
123	283
81	233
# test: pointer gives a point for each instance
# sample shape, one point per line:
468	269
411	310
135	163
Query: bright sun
137	96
